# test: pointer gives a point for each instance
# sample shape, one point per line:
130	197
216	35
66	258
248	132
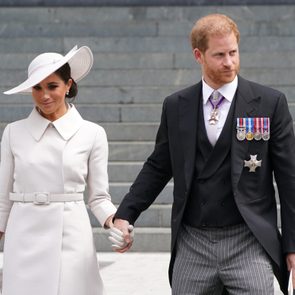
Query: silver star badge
253	163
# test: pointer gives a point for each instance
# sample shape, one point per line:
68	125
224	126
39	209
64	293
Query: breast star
253	163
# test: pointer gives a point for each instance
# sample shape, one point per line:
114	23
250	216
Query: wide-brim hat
45	64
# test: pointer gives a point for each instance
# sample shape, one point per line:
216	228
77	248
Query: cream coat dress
49	249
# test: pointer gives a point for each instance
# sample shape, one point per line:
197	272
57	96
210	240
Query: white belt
45	198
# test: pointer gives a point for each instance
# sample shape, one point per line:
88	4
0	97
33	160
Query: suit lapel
246	106
188	117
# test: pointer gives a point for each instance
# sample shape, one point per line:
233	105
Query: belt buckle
41	199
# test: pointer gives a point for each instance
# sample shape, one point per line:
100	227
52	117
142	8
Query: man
221	148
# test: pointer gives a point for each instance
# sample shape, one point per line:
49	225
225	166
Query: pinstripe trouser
209	259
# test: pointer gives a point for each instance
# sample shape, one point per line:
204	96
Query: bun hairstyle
64	73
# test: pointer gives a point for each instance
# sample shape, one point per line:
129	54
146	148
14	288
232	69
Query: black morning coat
254	194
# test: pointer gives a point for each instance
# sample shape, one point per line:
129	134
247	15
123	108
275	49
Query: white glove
116	237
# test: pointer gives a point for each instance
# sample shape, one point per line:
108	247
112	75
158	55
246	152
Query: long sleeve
6	178
98	188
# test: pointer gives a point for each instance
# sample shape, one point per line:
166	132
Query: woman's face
49	96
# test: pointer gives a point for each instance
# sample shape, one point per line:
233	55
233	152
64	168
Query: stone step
146	240
101	14
130	151
158	44
159	77
103	94
103	113
127	22
136	60
95	113
123	171
127	77
119	189
123	95
61	30
134	28
155	60
155	216
174	44
124	132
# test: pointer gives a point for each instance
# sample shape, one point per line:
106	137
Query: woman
47	160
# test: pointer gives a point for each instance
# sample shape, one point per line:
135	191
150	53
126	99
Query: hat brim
80	61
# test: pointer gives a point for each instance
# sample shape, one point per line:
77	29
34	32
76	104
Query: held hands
121	235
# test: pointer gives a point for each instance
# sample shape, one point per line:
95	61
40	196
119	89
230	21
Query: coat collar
189	102
66	126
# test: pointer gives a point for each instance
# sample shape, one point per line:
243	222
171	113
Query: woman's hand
121	235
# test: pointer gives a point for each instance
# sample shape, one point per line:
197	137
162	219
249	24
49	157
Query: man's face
220	62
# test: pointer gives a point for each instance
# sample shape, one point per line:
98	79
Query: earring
67	93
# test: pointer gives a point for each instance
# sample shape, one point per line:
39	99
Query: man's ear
198	55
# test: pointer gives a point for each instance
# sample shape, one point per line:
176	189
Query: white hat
42	66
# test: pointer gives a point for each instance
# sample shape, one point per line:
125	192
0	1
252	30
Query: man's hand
291	265
121	235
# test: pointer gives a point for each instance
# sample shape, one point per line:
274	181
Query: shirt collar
67	125
227	90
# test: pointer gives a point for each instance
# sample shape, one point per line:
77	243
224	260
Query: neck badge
215	100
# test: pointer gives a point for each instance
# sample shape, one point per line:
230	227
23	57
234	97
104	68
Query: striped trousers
208	260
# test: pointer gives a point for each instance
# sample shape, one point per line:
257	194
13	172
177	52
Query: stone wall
141	2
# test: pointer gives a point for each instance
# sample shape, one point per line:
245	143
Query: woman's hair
212	25
64	73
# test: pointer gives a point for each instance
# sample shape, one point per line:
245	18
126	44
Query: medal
253	163
214	117
257	128
249	129
249	135
253	128
265	136
257	135
241	134
266	129
213	99
241	129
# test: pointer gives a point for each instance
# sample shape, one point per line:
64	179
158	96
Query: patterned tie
215	100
